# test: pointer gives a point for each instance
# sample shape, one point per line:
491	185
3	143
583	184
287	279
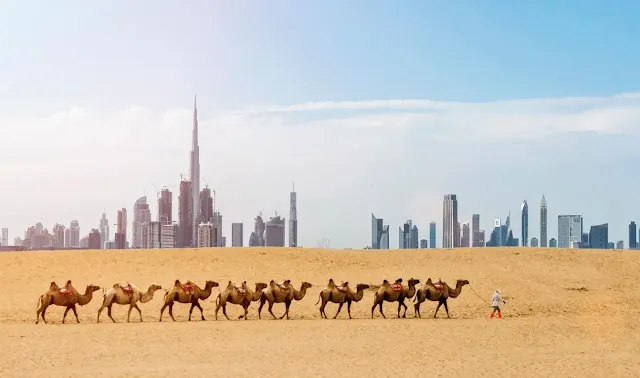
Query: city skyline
448	101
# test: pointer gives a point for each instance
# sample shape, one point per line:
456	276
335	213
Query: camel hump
385	282
177	283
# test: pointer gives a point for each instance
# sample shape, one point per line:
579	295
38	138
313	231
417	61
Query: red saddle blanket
341	288
241	290
439	287
283	287
396	287
126	288
65	291
188	288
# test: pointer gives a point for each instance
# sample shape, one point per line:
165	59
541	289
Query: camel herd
243	295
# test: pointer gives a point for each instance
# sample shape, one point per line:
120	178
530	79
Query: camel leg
399	305
246	312
75	313
349	308
109	312
191	309
271	310
437	308
201	311
375	303
65	314
339	308
286	310
416	308
162	310
404	314
262	300
446	309
40	311
322	306
382	313
224	311
99	311
171	311
129	313
135	305
44	310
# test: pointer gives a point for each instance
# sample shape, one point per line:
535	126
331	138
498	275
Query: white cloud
347	158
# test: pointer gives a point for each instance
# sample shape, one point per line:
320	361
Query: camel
392	293
126	294
282	292
340	295
438	292
239	295
188	292
67	296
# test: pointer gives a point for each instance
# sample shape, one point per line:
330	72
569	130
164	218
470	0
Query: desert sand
569	313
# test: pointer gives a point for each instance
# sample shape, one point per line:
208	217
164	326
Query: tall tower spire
195	173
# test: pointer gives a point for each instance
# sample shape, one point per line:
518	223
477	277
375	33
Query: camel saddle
282	286
241	290
66	290
396	287
187	287
439	286
127	288
342	288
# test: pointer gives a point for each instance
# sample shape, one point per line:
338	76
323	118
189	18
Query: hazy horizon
369	107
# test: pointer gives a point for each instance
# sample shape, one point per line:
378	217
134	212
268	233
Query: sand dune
569	313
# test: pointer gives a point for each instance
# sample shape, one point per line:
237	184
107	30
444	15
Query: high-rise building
58	235
620	244
185	214
121	229
599	236
94	239
633	241
165	206
525	223
569	229
223	242
206	205
475	231
432	235
195	177
236	234
217	225
534	242
256	239
274	232
73	235
5	237
293	218
206	235
466	235
553	243
84	242
379	233
543	222
104	230
450	225
159	235
424	243
414	237
404	235
141	215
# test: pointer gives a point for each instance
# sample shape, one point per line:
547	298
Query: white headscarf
498	291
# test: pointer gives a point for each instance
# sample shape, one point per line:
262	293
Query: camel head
92	288
261	286
211	284
462	282
362	287
306	285
413	282
154	287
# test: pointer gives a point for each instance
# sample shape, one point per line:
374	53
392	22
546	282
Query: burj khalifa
195	175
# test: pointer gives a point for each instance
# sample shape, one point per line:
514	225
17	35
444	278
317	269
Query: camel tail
39	301
218	300
319	296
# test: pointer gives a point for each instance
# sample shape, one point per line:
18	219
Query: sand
569	313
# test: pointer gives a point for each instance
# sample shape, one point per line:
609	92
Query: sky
368	106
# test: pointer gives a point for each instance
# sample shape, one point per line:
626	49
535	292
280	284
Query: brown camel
188	292
394	292
438	292
66	296
340	295
238	295
282	292
126	294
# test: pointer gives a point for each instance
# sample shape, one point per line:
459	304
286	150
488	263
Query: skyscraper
185	214
569	230
293	218
525	223
206	206
217	225
450	225
475	230
633	242
58	236
141	215
104	230
432	235
599	236
165	206
74	234
195	177
379	233
5	237
274	232
465	240
236	234
543	222
121	229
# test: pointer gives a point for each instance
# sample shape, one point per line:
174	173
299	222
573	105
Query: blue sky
536	85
